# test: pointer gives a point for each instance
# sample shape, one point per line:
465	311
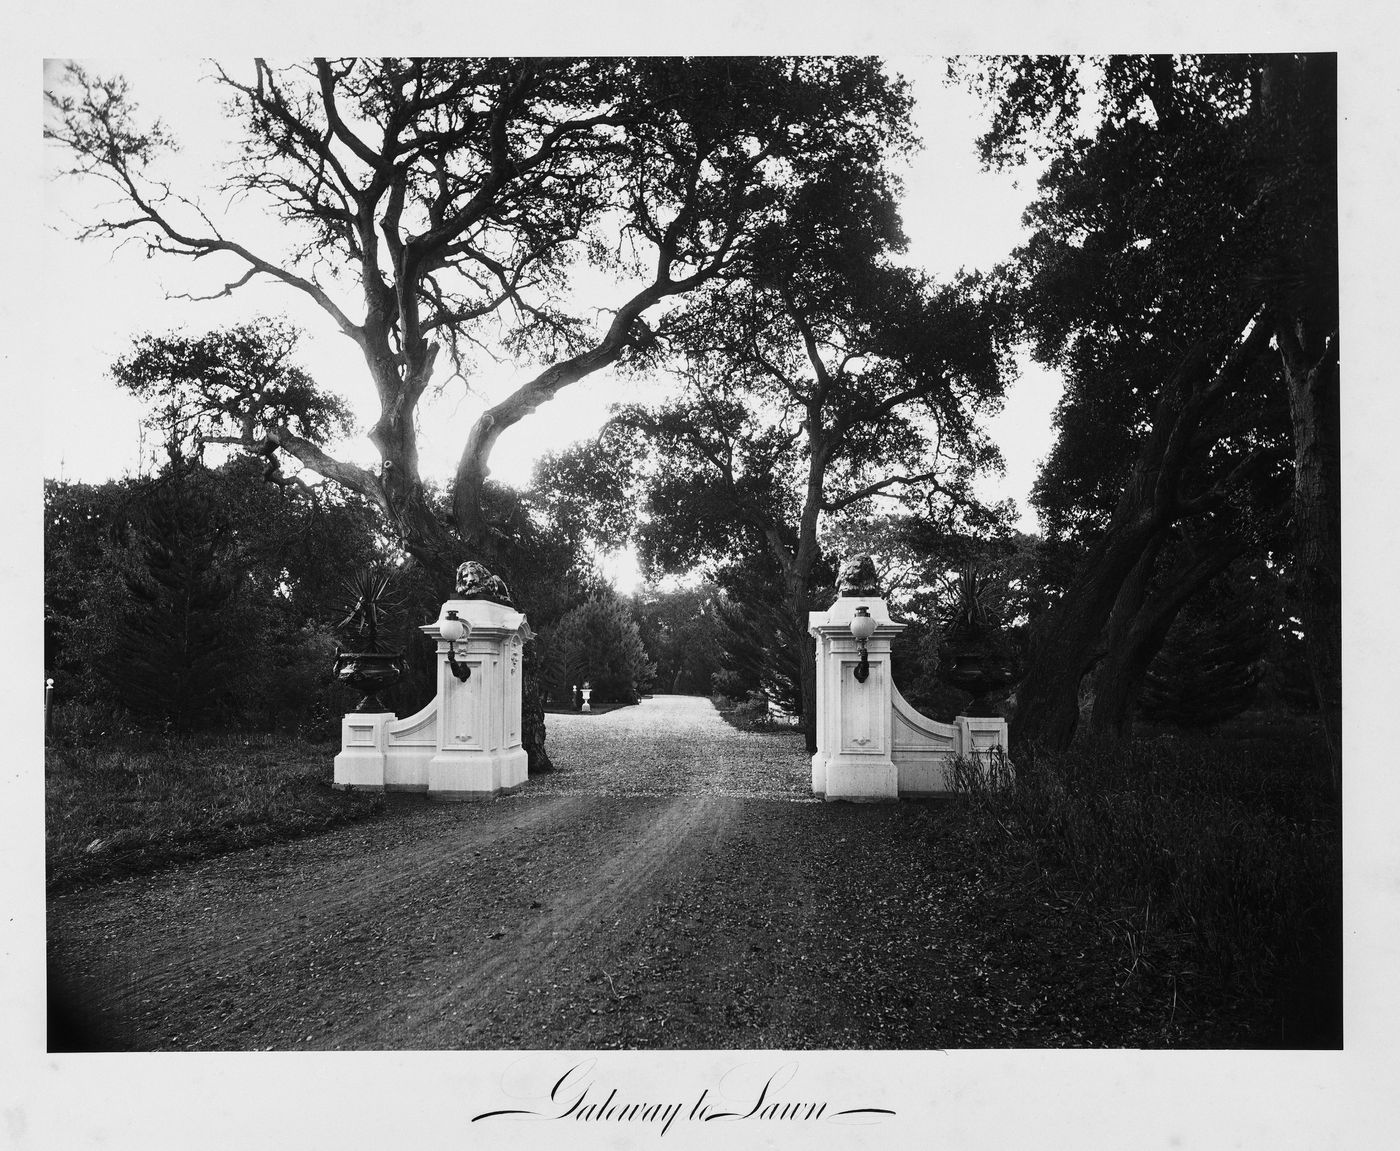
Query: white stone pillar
855	720
479	753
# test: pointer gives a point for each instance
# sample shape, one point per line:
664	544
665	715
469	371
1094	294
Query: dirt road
674	885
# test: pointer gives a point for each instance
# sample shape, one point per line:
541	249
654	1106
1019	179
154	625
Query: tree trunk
1117	677
797	573
1299	104
1139	627
1066	641
532	729
808	651
808	551
1313	395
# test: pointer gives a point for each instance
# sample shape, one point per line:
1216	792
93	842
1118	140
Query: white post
979	737
855	720
479	753
360	764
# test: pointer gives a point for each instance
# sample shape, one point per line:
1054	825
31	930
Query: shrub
1209	668
749	714
753	712
78	722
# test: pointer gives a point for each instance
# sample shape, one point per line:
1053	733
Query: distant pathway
672	745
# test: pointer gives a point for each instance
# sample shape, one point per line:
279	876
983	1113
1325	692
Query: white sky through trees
955	215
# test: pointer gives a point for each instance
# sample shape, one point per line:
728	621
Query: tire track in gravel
217	916
580	919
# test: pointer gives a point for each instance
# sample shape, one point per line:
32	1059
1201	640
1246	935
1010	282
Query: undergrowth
1216	865
132	806
752	714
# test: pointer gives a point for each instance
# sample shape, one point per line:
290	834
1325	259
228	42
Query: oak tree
821	377
1182	273
437	206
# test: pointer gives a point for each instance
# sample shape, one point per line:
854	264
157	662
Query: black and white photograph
751	576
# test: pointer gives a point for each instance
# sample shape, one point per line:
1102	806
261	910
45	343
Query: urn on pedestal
366	666
977	657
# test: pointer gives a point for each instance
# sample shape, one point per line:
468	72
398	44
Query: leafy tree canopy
235	385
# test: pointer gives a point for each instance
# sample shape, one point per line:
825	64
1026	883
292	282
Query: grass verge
123	811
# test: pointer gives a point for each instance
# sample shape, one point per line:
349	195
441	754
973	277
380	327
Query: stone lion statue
858	578
475	582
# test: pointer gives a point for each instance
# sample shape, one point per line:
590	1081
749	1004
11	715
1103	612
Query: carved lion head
475	582
858	577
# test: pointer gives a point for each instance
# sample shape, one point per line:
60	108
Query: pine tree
176	651
598	643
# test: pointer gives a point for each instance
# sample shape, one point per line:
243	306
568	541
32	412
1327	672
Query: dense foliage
679	630
178	637
1181	273
1212	663
198	597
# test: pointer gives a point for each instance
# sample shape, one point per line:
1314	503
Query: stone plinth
479	754
360	763
871	744
465	745
855	720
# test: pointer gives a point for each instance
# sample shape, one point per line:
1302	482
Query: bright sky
955	215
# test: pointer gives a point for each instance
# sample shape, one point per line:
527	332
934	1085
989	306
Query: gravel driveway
673	885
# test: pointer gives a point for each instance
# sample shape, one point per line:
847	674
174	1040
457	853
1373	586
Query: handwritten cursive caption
576	1096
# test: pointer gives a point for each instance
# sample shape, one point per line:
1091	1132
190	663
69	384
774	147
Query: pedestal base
360	764
475	776
860	782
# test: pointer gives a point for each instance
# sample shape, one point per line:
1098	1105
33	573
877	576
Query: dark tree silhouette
1182	273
